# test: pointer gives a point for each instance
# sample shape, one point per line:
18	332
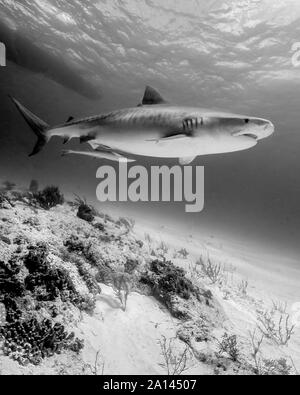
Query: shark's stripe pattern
156	129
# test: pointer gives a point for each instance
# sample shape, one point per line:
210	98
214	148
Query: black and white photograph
149	190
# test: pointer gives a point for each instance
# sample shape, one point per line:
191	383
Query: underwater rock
185	301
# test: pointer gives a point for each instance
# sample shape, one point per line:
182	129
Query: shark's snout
263	128
257	129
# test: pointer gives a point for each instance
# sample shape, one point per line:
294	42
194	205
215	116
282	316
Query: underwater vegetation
168	281
57	270
45	282
28	339
49	197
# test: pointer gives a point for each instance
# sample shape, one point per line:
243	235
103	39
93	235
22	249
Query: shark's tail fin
38	126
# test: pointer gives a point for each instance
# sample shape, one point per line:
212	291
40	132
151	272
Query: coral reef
88	278
47	283
30	341
27	338
54	267
85	213
83	248
169	282
131	265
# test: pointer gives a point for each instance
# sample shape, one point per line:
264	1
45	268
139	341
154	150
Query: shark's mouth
247	134
251	135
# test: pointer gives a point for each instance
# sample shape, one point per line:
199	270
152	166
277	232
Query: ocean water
81	58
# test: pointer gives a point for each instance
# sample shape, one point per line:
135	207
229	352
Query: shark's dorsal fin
70	119
151	96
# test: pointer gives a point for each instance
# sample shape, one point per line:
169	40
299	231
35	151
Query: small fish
155	129
113	156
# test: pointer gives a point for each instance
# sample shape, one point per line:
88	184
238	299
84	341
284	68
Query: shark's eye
246	120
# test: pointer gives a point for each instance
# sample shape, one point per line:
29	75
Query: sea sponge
85	213
30	341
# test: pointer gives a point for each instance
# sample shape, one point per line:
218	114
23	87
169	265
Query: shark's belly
163	149
149	143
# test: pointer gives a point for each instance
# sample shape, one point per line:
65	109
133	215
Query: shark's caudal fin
38	126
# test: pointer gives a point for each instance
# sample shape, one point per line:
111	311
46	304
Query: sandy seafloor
128	341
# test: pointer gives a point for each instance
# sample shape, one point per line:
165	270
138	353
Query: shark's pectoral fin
172	136
166	138
187	160
188	127
94	144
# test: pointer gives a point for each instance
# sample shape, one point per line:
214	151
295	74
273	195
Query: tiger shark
154	128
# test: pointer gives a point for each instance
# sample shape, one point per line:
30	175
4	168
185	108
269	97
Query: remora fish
155	129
